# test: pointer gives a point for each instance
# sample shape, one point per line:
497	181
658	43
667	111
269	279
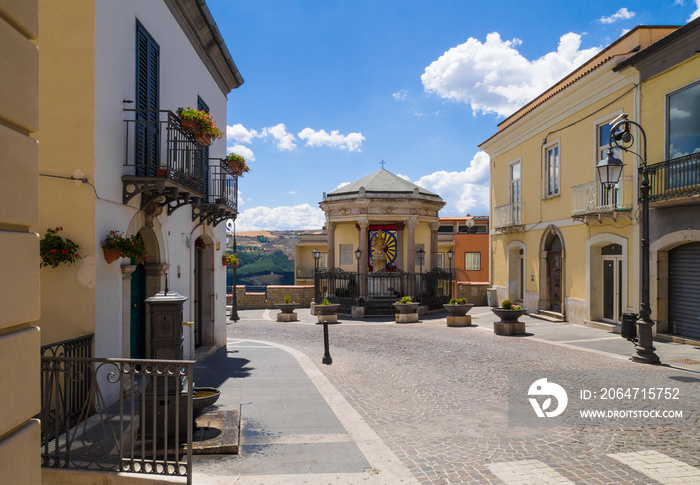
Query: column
330	228
364	260
411	254
434	226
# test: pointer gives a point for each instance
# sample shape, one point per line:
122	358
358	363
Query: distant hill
266	257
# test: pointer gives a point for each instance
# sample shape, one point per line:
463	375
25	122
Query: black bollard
327	355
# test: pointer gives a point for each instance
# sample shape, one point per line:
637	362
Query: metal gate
683	290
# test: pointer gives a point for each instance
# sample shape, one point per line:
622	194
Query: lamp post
421	254
234	301
609	171
317	255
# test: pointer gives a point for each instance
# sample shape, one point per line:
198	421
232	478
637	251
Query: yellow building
19	245
669	112
560	245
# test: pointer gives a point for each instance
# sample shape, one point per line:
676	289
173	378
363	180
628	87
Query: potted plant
326	307
509	313
116	246
54	250
406	305
230	260
288	306
458	307
236	164
200	123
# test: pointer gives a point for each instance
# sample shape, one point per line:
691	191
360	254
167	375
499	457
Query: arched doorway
145	282
203	303
552	271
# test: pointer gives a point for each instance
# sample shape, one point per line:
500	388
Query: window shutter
147	93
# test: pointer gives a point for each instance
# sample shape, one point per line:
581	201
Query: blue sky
332	88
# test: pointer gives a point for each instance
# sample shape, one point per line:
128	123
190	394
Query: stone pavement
362	420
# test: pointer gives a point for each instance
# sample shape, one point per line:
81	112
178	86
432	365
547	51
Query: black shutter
683	289
202	106
147	127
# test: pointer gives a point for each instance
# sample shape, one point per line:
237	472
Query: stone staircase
548	315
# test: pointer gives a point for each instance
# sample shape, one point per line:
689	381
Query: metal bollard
628	328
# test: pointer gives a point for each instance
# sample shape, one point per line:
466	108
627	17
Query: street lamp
450	256
611	168
421	254
358	256
317	255
234	301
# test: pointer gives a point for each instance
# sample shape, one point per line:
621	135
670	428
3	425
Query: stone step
548	316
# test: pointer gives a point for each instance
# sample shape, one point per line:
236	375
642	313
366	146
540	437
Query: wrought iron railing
158	146
70	395
509	215
138	417
590	198
379	290
675	178
223	189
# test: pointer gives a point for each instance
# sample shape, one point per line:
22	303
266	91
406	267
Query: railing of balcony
158	146
675	178
509	215
224	185
590	198
148	429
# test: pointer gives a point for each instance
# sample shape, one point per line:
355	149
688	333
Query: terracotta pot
111	255
203	139
190	126
161	172
224	261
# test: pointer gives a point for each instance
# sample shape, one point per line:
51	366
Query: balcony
170	169
590	203
221	202
675	181
509	218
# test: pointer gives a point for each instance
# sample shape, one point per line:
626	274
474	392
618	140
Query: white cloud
680	114
243	151
465	191
696	13
302	216
285	141
334	139
292	192
400	95
622	14
494	77
240	134
341	184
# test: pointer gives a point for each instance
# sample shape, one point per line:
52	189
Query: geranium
236	164
230	260
55	250
128	247
202	119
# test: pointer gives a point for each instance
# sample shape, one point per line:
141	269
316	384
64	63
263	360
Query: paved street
435	398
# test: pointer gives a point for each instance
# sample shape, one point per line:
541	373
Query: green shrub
287	299
405	299
507	305
458	301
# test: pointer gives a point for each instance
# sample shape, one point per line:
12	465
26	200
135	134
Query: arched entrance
145	282
203	291
552	271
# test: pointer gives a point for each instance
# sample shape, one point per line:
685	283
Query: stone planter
287	313
509	324
458	310
509	316
458	315
326	313
404	308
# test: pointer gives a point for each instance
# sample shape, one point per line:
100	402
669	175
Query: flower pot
203	139
190	126
509	316
224	261
404	308
287	307
111	255
458	310
326	309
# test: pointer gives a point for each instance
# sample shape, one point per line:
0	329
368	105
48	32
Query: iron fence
675	178
224	185
589	198
157	145
137	418
379	290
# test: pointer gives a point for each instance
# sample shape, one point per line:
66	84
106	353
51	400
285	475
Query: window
551	170
147	94
514	191
202	106
472	261
612	196
683	121
441	260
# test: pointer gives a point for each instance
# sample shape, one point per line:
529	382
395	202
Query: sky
333	88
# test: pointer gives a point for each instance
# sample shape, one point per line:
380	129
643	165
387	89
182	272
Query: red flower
54	250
